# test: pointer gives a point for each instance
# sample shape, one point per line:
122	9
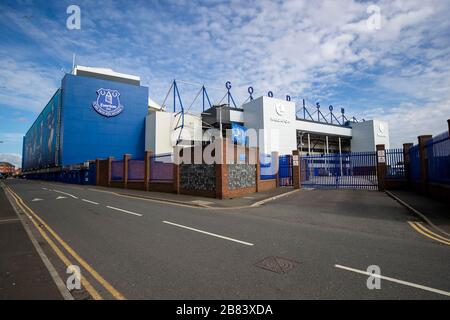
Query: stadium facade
99	113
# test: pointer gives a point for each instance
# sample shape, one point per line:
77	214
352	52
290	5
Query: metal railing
395	165
438	156
414	163
161	168
117	170
136	169
267	169
356	170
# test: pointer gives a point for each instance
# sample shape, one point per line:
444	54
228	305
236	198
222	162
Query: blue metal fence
414	163
395	164
438	156
136	169
285	170
356	170
267	167
161	168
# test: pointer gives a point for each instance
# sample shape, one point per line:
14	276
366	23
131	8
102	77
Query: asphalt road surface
318	245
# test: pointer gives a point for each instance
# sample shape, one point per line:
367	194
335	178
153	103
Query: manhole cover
277	264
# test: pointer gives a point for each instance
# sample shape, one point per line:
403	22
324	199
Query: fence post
147	155
296	169
126	157
407	161
381	166
275	157
97	171
108	178
176	168
423	161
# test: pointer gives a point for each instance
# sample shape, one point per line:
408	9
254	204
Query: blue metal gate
285	170
356	170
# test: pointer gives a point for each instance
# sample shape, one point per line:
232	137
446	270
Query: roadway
134	248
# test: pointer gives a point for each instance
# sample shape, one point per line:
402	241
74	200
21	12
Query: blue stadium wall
87	135
40	143
70	131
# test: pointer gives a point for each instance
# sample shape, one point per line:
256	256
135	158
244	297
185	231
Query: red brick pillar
407	161
423	161
97	172
275	158
177	150
256	158
381	167
296	169
110	159
147	171
221	168
126	158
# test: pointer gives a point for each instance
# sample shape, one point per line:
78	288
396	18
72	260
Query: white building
276	125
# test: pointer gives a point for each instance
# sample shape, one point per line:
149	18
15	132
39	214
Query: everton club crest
108	102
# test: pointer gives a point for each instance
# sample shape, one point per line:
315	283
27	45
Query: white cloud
308	49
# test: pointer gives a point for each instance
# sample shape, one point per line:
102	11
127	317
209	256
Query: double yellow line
419	227
43	228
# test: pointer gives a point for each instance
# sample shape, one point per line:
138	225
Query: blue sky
317	50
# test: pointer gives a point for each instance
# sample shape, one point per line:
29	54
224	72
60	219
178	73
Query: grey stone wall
241	176
198	177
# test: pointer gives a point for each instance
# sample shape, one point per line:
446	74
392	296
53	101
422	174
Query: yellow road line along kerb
417	227
421	226
86	284
116	294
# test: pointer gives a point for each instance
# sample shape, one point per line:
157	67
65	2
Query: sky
330	51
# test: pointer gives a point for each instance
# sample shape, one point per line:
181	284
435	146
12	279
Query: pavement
23	274
437	213
317	244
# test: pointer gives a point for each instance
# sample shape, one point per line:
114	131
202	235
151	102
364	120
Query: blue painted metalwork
438	155
267	168
161	167
333	119
250	92
414	163
285	170
305	111
205	95
229	96
355	170
395	164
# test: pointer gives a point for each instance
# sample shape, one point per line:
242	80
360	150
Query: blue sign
238	133
108	102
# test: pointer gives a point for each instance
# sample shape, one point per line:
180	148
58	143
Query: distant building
7	168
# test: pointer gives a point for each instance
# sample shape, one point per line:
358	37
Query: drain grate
277	264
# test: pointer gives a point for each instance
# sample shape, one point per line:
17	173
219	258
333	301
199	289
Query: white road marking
67	194
44	188
61	197
406	283
209	233
89	201
36	199
126	211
